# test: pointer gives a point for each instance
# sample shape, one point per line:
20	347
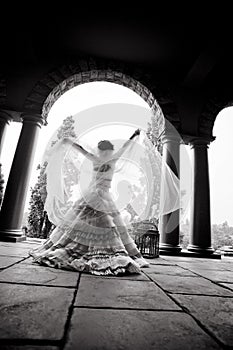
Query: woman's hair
105	145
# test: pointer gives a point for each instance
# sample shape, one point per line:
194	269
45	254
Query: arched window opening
221	175
70	104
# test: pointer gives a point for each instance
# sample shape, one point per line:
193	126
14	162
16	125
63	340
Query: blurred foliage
38	222
1	185
222	234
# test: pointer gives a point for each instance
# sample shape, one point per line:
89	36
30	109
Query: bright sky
221	168
89	95
74	101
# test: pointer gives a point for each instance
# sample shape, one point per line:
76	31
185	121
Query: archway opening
83	97
9	147
221	174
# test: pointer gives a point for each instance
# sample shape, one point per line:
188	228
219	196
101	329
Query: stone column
200	240
16	190
4	121
169	225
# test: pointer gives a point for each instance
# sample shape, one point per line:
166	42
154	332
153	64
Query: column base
186	254
169	249
7	235
199	250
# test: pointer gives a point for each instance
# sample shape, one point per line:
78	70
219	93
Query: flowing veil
103	180
143	186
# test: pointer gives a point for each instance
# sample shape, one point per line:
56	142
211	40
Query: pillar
16	190
200	235
4	121
169	225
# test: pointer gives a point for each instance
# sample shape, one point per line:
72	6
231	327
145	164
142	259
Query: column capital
6	117
198	141
33	119
170	137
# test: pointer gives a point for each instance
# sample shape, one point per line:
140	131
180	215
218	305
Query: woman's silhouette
93	237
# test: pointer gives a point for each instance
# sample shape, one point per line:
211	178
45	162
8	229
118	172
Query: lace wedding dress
91	236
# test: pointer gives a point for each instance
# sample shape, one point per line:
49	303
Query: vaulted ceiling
191	51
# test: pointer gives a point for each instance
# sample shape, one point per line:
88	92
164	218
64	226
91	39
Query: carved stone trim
209	114
63	78
3	91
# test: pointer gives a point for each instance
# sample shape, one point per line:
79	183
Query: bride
91	236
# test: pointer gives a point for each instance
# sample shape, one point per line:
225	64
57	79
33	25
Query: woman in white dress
92	236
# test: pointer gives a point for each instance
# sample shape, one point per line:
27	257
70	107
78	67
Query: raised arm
80	149
119	153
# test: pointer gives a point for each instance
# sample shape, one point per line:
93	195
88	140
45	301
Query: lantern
147	239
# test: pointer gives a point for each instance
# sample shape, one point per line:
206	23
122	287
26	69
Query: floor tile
33	312
214	313
135	330
101	292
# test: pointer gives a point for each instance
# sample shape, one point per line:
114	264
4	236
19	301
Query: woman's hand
136	133
66	140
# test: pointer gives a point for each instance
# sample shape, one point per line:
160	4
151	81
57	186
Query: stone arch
3	90
57	82
209	114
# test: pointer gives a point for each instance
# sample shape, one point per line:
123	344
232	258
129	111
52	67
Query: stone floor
176	303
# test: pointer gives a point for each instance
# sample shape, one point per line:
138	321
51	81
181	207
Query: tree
222	235
152	171
184	233
153	133
36	205
66	129
39	224
154	130
1	184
